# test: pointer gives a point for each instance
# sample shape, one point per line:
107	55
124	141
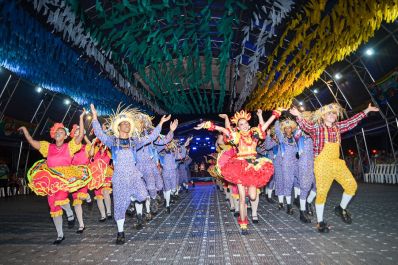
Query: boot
140	222
289	209
344	214
323	227
304	217
120	240
310	209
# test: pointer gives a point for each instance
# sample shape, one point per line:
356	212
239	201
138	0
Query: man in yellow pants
325	130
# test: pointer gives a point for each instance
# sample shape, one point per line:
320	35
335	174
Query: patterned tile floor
201	230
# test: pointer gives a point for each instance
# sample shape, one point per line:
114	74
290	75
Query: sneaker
120	239
323	227
304	217
289	209
344	214
310	209
59	240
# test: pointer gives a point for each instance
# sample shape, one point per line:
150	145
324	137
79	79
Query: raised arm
153	135
99	133
35	144
227	123
79	138
278	132
211	127
308	127
169	136
352	122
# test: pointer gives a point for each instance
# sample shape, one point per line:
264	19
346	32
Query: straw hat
288	123
130	115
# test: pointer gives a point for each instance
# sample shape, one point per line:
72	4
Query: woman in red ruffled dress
244	168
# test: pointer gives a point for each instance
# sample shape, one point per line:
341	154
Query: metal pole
366	146
9	99
338	88
4	87
70	120
44	114
66	113
317	99
19	156
359	154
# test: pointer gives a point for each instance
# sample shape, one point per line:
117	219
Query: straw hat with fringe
333	107
288	123
131	115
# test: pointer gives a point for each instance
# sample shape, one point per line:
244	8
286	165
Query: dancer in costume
306	177
81	158
168	158
55	177
183	169
326	130
284	185
127	180
100	165
147	159
244	168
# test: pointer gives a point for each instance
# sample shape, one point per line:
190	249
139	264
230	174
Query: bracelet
276	113
209	125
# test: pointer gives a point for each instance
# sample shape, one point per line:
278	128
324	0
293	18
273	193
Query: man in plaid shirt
325	131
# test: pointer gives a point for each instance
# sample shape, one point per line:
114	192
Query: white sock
166	195
88	199
236	204
148	205
68	210
296	192
79	214
280	198
345	200
138	207
289	199
58	225
319	212
269	192
311	197
108	203
266	190
101	207
120	225
302	205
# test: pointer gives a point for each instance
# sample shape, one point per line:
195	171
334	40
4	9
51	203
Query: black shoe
344	214
232	210
130	211
289	209
80	230
310	209
140	222
168	209
304	217
297	202
323	227
154	206
109	216
71	223
255	219
280	206
59	240
236	214
103	219
269	200
120	240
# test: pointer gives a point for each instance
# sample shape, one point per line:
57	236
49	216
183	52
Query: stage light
194	148
181	139
369	52
374	151
338	76
39	89
213	148
315	91
301	103
66	101
207	138
197	139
